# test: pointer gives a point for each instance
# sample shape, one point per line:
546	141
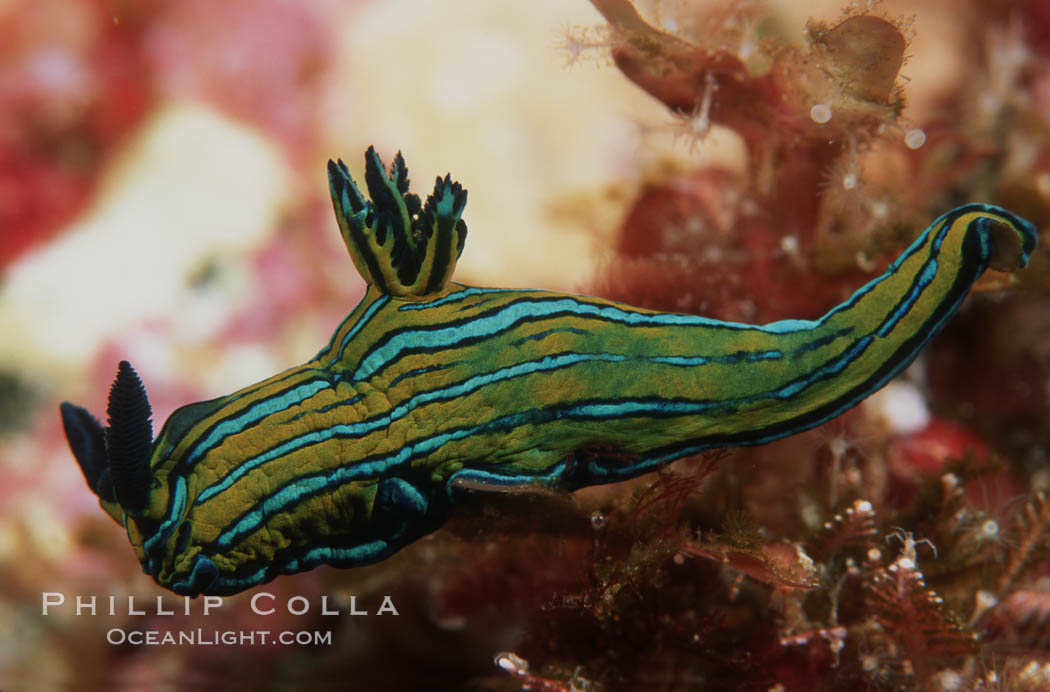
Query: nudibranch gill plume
430	387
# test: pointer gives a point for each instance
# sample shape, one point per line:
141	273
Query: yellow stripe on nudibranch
430	386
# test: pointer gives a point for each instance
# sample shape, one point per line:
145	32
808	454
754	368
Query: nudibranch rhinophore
430	387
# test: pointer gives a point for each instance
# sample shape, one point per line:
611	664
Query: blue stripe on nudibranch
361	322
366	552
254	413
832	367
176	509
201	577
943	224
276	502
924	279
729	359
456	333
460	295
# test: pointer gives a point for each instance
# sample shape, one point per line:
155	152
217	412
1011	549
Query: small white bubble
820	113
914	138
863	506
511	662
985	599
849	181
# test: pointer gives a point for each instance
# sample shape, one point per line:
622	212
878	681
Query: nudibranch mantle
429	388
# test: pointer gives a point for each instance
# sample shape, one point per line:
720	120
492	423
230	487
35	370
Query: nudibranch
430	388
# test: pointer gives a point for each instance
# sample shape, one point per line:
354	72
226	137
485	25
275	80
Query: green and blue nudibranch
430	387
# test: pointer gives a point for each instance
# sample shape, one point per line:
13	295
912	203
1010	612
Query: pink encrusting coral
72	90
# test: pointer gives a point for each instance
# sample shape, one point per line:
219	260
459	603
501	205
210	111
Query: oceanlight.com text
201	637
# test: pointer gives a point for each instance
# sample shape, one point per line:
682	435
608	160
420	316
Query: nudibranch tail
1012	240
857	347
400	245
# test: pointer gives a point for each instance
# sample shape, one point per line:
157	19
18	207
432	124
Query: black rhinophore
87	439
128	439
